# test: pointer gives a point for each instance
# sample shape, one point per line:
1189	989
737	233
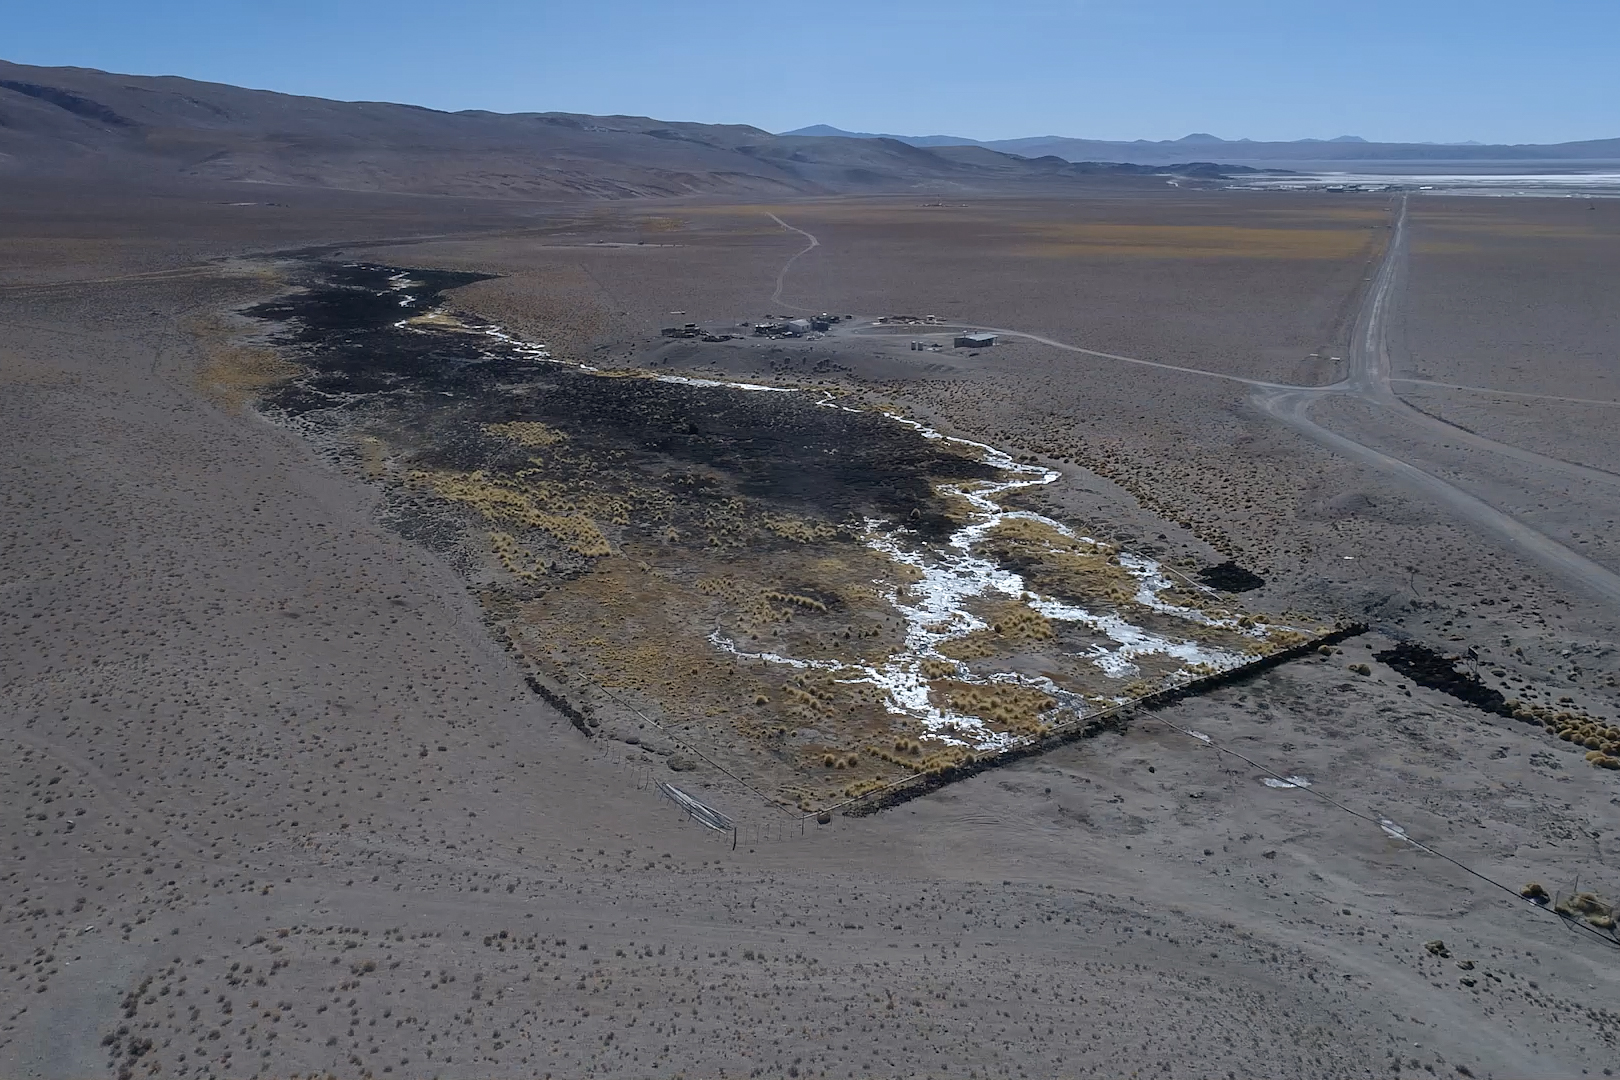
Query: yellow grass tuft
1058	564
1012	624
809	603
801	530
234	375
520	503
1015	708
527	433
518	560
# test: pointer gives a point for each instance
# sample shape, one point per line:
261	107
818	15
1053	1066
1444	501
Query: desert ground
282	802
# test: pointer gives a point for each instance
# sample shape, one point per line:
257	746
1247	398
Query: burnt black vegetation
670	447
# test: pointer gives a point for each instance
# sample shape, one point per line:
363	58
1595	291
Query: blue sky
1438	70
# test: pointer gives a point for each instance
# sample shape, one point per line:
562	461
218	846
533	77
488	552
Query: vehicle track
781	275
1370	380
1369	375
1507	393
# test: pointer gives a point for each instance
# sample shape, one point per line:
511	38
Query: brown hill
78	121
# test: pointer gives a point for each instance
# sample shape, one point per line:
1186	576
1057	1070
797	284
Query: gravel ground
277	795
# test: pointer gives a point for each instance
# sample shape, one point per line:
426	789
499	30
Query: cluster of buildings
971	340
820	324
693	330
816	324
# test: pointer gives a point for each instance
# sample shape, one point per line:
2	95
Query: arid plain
283	802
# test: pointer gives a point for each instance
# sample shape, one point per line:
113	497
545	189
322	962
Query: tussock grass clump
907	753
975	646
1137	688
537	505
818	695
1589	906
801	530
951	757
1007	705
1011	624
518	560
862	787
808	603
1060	565
724	586
1280	638
528	433
1600	738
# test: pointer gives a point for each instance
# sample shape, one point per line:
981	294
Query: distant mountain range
77	122
128	128
1345	148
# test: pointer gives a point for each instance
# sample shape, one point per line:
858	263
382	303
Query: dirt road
1369	381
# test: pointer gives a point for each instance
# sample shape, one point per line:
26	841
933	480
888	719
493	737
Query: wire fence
778	821
741	819
775	823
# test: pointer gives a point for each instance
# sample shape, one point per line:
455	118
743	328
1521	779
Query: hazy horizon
1448	73
1191	138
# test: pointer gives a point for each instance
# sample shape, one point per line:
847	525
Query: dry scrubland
1256	289
1263	287
802	592
280	795
1517	296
